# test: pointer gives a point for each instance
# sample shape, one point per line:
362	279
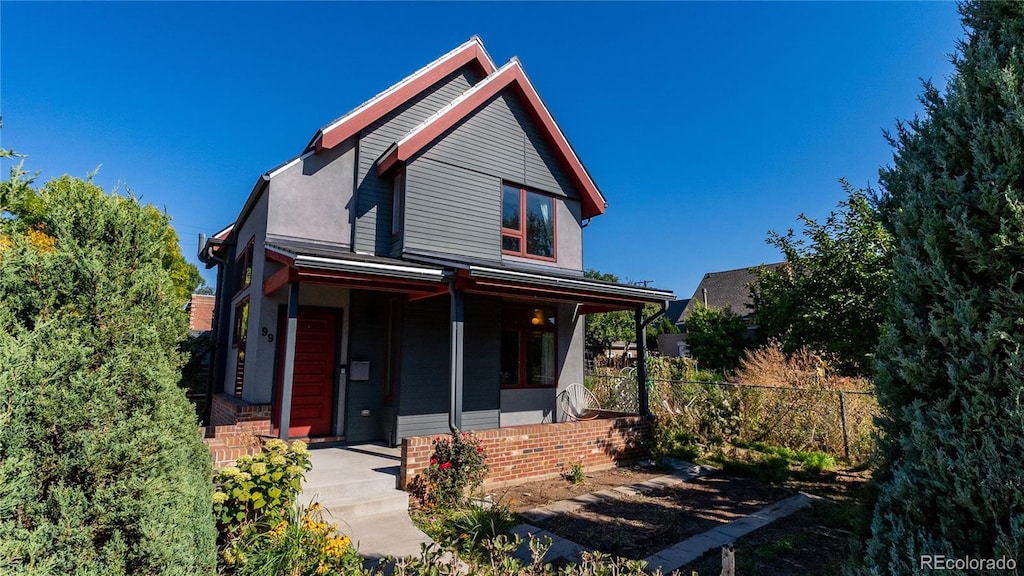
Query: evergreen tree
950	366
102	467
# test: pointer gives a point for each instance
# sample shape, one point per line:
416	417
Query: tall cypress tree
102	467
951	362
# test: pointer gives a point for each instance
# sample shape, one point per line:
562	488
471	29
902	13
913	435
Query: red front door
313	380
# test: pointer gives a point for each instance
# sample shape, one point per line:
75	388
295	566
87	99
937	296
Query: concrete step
340	509
349	486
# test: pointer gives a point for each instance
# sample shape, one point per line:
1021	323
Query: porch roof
593	295
306	263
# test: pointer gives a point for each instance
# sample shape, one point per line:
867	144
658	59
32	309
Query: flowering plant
263	486
457	464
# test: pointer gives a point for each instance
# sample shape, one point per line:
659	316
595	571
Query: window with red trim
527	223
241	323
529	351
243	268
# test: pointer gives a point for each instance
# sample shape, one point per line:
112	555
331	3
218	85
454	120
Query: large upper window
243	268
528	347
397	204
527	223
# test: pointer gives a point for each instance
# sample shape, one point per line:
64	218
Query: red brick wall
200	312
518	454
237	430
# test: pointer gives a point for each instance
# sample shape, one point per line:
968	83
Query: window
397	204
243	268
528	347
241	323
240	333
527	223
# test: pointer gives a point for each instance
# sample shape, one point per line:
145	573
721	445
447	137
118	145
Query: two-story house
418	267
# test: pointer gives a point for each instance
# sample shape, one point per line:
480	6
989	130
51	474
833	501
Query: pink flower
446	465
433	460
479	450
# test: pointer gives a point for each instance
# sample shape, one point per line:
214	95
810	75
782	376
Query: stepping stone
537	514
627	490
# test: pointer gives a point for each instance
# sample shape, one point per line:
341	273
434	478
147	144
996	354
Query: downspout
641	358
455	363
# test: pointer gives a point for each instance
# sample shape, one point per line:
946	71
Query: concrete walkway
671	558
357	486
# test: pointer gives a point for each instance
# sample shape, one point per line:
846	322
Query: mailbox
360	370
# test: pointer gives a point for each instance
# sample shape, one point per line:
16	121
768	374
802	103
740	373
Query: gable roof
511	76
470	52
726	289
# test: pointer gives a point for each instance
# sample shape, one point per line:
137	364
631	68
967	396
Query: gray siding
452	210
431	424
457	181
424	395
366	342
501	140
373	204
483	355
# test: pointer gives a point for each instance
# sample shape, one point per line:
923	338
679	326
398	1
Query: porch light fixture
538	318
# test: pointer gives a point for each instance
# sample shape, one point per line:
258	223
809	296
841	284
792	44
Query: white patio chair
578	403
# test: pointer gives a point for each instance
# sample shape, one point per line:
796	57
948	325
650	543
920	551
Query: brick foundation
238	428
518	454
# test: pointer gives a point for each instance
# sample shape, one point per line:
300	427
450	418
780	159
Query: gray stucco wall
312	199
458	178
253	228
373	196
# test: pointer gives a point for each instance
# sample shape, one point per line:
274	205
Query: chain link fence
824	417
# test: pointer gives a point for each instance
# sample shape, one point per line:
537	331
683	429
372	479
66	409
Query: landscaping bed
637	526
528	496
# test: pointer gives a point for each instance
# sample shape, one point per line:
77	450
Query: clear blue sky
705	125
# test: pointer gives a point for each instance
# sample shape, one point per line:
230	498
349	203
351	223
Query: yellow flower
322	568
315	507
278	460
278	529
336	546
299	447
230	471
276	444
258	469
219	497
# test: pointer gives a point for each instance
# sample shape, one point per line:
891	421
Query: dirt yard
812	541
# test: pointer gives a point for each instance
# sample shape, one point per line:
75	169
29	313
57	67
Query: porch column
455	365
641	363
289	360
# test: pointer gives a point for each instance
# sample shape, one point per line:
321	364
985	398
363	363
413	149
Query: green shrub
261	487
457	465
102	467
575	474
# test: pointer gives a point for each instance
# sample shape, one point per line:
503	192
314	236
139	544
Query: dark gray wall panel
481	390
367	331
452	210
431	424
423	388
373	196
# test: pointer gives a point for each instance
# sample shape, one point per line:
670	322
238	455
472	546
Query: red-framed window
529	346
527	223
243	268
241	330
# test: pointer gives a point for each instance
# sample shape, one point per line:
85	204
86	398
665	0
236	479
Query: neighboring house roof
470	52
511	75
674	313
726	289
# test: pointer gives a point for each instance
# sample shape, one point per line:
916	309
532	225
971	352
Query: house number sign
267	334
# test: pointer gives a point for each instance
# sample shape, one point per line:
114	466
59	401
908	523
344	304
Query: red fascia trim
513	76
472	54
484	287
368	282
278	280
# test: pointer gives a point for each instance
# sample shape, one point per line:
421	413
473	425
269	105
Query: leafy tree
830	295
951	362
101	461
603	328
716	337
